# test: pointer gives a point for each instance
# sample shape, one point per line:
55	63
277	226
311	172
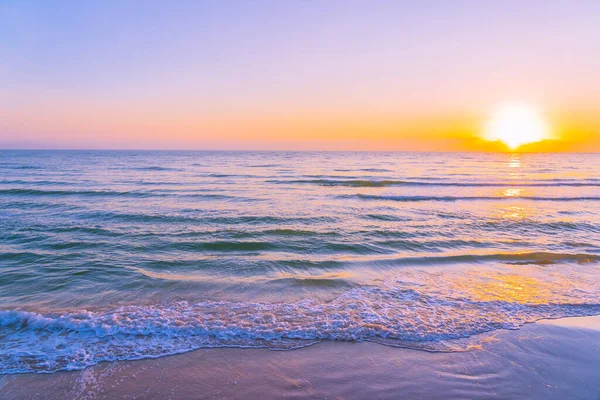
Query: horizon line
300	151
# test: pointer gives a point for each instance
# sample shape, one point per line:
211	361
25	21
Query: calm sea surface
124	255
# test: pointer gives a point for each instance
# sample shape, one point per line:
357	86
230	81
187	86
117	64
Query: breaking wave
400	316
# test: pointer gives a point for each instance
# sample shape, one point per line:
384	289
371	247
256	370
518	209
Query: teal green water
124	255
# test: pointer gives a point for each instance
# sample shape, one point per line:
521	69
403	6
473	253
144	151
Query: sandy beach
553	359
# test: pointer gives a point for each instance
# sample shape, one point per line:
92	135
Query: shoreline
546	360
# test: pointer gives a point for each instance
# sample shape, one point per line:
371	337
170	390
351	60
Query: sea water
117	255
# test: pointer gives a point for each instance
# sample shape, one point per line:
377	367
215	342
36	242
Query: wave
29	182
320	248
19	166
409	199
222	175
223	246
386	217
39	192
113	193
538	226
154	168
338	279
216	220
34	342
296	232
392	183
364	169
520	258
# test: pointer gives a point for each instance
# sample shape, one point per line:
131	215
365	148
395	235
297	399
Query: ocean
123	255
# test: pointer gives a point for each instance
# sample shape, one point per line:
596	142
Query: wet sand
557	359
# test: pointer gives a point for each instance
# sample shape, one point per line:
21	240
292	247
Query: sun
516	125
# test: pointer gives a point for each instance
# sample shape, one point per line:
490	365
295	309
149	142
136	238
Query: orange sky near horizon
295	76
85	128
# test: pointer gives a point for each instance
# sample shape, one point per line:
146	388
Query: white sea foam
32	342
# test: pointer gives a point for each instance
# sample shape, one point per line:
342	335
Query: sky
294	75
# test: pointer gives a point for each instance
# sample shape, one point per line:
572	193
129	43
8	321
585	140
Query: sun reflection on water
513	212
512	288
522	284
513	192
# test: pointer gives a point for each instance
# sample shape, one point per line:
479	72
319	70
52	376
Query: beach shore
552	359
